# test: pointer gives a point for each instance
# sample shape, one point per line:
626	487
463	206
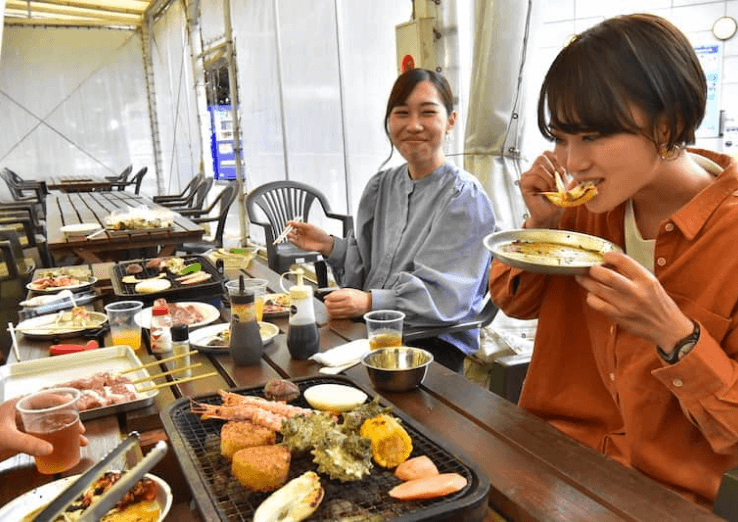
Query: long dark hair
636	60
402	88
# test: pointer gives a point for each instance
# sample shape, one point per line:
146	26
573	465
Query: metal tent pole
146	40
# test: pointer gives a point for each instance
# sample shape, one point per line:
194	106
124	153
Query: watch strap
681	348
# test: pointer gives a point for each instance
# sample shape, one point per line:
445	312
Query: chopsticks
286	230
164	374
158	361
11	329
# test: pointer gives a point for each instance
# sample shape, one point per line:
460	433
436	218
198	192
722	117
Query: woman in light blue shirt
417	246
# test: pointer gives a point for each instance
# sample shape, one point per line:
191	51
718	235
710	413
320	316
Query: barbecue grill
219	496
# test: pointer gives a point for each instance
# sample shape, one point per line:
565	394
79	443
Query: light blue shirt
417	247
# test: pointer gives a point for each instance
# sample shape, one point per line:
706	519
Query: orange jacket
608	388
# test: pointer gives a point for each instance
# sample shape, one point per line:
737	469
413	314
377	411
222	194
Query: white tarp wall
313	81
176	104
72	101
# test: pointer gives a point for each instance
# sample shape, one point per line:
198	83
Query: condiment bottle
180	345
161	329
246	346
303	338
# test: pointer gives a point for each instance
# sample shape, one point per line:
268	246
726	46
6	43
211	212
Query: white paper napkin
341	357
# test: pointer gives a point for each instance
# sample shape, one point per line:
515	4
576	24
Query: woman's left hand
634	299
347	302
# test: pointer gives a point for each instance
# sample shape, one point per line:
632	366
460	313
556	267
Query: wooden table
93	207
77	183
536	473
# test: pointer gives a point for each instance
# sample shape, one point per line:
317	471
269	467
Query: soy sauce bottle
303	338
246	346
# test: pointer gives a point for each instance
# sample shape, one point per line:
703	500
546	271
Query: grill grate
197	445
207	290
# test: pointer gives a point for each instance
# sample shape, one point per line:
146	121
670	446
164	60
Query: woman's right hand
310	237
540	178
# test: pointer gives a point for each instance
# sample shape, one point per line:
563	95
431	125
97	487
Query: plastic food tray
219	496
205	291
28	376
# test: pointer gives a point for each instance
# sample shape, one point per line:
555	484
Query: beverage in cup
123	326
52	415
256	286
384	328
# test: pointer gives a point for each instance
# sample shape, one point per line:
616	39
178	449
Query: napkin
341	357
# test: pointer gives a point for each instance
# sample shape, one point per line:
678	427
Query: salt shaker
180	345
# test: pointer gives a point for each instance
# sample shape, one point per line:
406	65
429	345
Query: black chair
16	271
198	199
121	179
20	191
134	181
184	198
282	201
29	236
223	202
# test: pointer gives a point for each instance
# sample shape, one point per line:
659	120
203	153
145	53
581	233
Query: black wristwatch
681	348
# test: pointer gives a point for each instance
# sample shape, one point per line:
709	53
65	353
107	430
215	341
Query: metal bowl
397	369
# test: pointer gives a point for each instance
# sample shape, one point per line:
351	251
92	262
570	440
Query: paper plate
546	251
44	326
80	229
54	289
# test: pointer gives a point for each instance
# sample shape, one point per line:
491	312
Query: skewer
178	381
15	341
167	359
163	374
286	230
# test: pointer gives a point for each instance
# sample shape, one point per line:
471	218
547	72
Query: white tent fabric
494	132
72	101
176	104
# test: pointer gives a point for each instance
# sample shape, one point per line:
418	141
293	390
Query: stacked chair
222	204
195	201
119	181
16	271
184	198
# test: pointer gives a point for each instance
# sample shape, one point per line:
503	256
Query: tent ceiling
96	13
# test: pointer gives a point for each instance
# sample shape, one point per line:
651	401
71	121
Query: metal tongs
111	497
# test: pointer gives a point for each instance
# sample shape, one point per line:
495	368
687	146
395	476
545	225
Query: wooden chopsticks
286	230
164	374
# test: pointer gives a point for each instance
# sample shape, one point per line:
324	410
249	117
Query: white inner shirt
642	250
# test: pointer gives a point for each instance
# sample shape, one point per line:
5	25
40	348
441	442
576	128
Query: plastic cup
384	328
123	326
256	286
52	415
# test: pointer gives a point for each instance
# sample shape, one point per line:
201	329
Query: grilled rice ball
236	435
261	468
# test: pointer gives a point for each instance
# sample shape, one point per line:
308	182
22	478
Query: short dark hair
404	85
637	59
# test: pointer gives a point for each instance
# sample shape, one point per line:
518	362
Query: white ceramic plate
152	286
545	251
52	290
208	311
44	327
200	338
42	495
280	306
80	229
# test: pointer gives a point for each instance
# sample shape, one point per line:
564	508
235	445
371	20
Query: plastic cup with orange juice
256	286
124	329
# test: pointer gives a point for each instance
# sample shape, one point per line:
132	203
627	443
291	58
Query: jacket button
661	261
669	227
677	382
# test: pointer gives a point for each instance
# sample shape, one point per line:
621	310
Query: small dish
397	369
200	338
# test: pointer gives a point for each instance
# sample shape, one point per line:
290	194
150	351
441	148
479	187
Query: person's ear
451	122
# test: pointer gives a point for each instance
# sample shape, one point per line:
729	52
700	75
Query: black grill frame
219	496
